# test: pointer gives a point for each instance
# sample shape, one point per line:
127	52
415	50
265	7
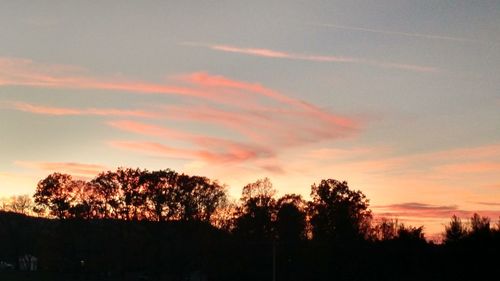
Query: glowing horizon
402	103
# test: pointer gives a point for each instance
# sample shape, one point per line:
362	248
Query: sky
399	98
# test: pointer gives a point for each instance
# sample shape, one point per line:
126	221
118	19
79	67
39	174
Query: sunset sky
399	98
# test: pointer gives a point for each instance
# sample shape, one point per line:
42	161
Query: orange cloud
267	53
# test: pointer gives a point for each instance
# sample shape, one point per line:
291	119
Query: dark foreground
127	250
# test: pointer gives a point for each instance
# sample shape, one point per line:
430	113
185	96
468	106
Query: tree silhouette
386	229
455	230
111	223
480	227
337	212
225	215
159	189
106	188
411	234
22	204
291	218
81	202
255	218
198	197
55	194
131	195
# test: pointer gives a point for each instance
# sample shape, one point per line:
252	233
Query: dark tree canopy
130	194
337	212
55	193
159	188
455	230
291	218
255	217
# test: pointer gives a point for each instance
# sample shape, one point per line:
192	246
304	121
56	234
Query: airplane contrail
409	34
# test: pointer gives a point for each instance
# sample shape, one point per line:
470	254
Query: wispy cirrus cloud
235	154
207	80
64	111
290	123
256	113
211	149
393	32
78	169
25	72
269	53
280	55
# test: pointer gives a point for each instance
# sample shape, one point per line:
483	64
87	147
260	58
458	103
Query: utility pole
274	260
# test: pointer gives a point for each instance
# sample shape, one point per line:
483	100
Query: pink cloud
252	51
291	123
257	113
299	107
146	129
282	55
267	53
22	72
231	155
211	149
228	119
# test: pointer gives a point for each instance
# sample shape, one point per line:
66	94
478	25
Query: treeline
169	226
334	212
129	194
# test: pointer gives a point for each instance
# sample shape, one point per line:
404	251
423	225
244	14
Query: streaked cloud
255	112
25	72
276	121
78	169
488	203
280	55
230	155
212	149
62	111
269	53
419	210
